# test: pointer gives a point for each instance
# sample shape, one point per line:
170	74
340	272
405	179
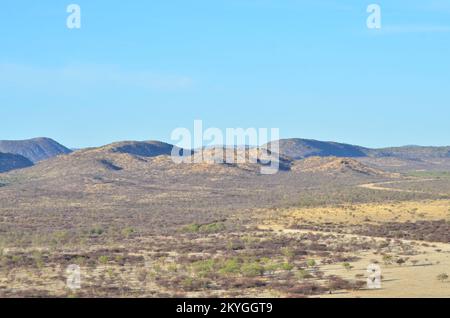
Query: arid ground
139	225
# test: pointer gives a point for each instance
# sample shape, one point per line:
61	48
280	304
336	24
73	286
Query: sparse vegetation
141	226
203	228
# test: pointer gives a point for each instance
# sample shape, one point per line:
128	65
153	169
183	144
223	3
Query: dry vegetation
144	227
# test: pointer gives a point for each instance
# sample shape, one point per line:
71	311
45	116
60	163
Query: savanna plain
139	225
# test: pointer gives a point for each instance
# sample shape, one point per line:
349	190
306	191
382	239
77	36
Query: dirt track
379	186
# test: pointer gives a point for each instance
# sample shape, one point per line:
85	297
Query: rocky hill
297	148
35	150
10	162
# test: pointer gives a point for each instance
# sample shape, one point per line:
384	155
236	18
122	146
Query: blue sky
138	69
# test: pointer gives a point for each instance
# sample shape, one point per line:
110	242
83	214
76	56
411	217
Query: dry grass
408	211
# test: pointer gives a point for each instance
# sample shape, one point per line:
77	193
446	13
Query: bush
252	269
311	263
287	266
103	259
347	266
442	277
212	228
288	252
38	258
127	232
204	267
191	228
337	283
307	289
96	231
387	259
231	266
192	284
303	274
400	261
203	228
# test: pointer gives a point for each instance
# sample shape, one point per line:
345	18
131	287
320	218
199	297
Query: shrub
271	268
338	283
191	228
307	289
311	263
212	228
230	266
103	260
347	266
288	252
142	275
387	259
303	274
127	232
204	267
37	256
97	231
400	261
252	269
287	266
442	277
203	228
192	284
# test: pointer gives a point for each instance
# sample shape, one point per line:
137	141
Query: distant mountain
411	152
134	168
152	160
113	157
150	148
304	148
36	149
10	162
132	161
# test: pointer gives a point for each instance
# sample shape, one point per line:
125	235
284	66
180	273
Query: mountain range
138	184
25	153
297	148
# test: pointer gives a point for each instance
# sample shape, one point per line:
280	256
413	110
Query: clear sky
138	69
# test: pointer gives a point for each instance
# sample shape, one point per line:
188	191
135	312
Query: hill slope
338	165
35	150
10	162
297	148
150	148
411	152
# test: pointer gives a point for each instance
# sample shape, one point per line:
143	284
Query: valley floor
133	234
286	253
